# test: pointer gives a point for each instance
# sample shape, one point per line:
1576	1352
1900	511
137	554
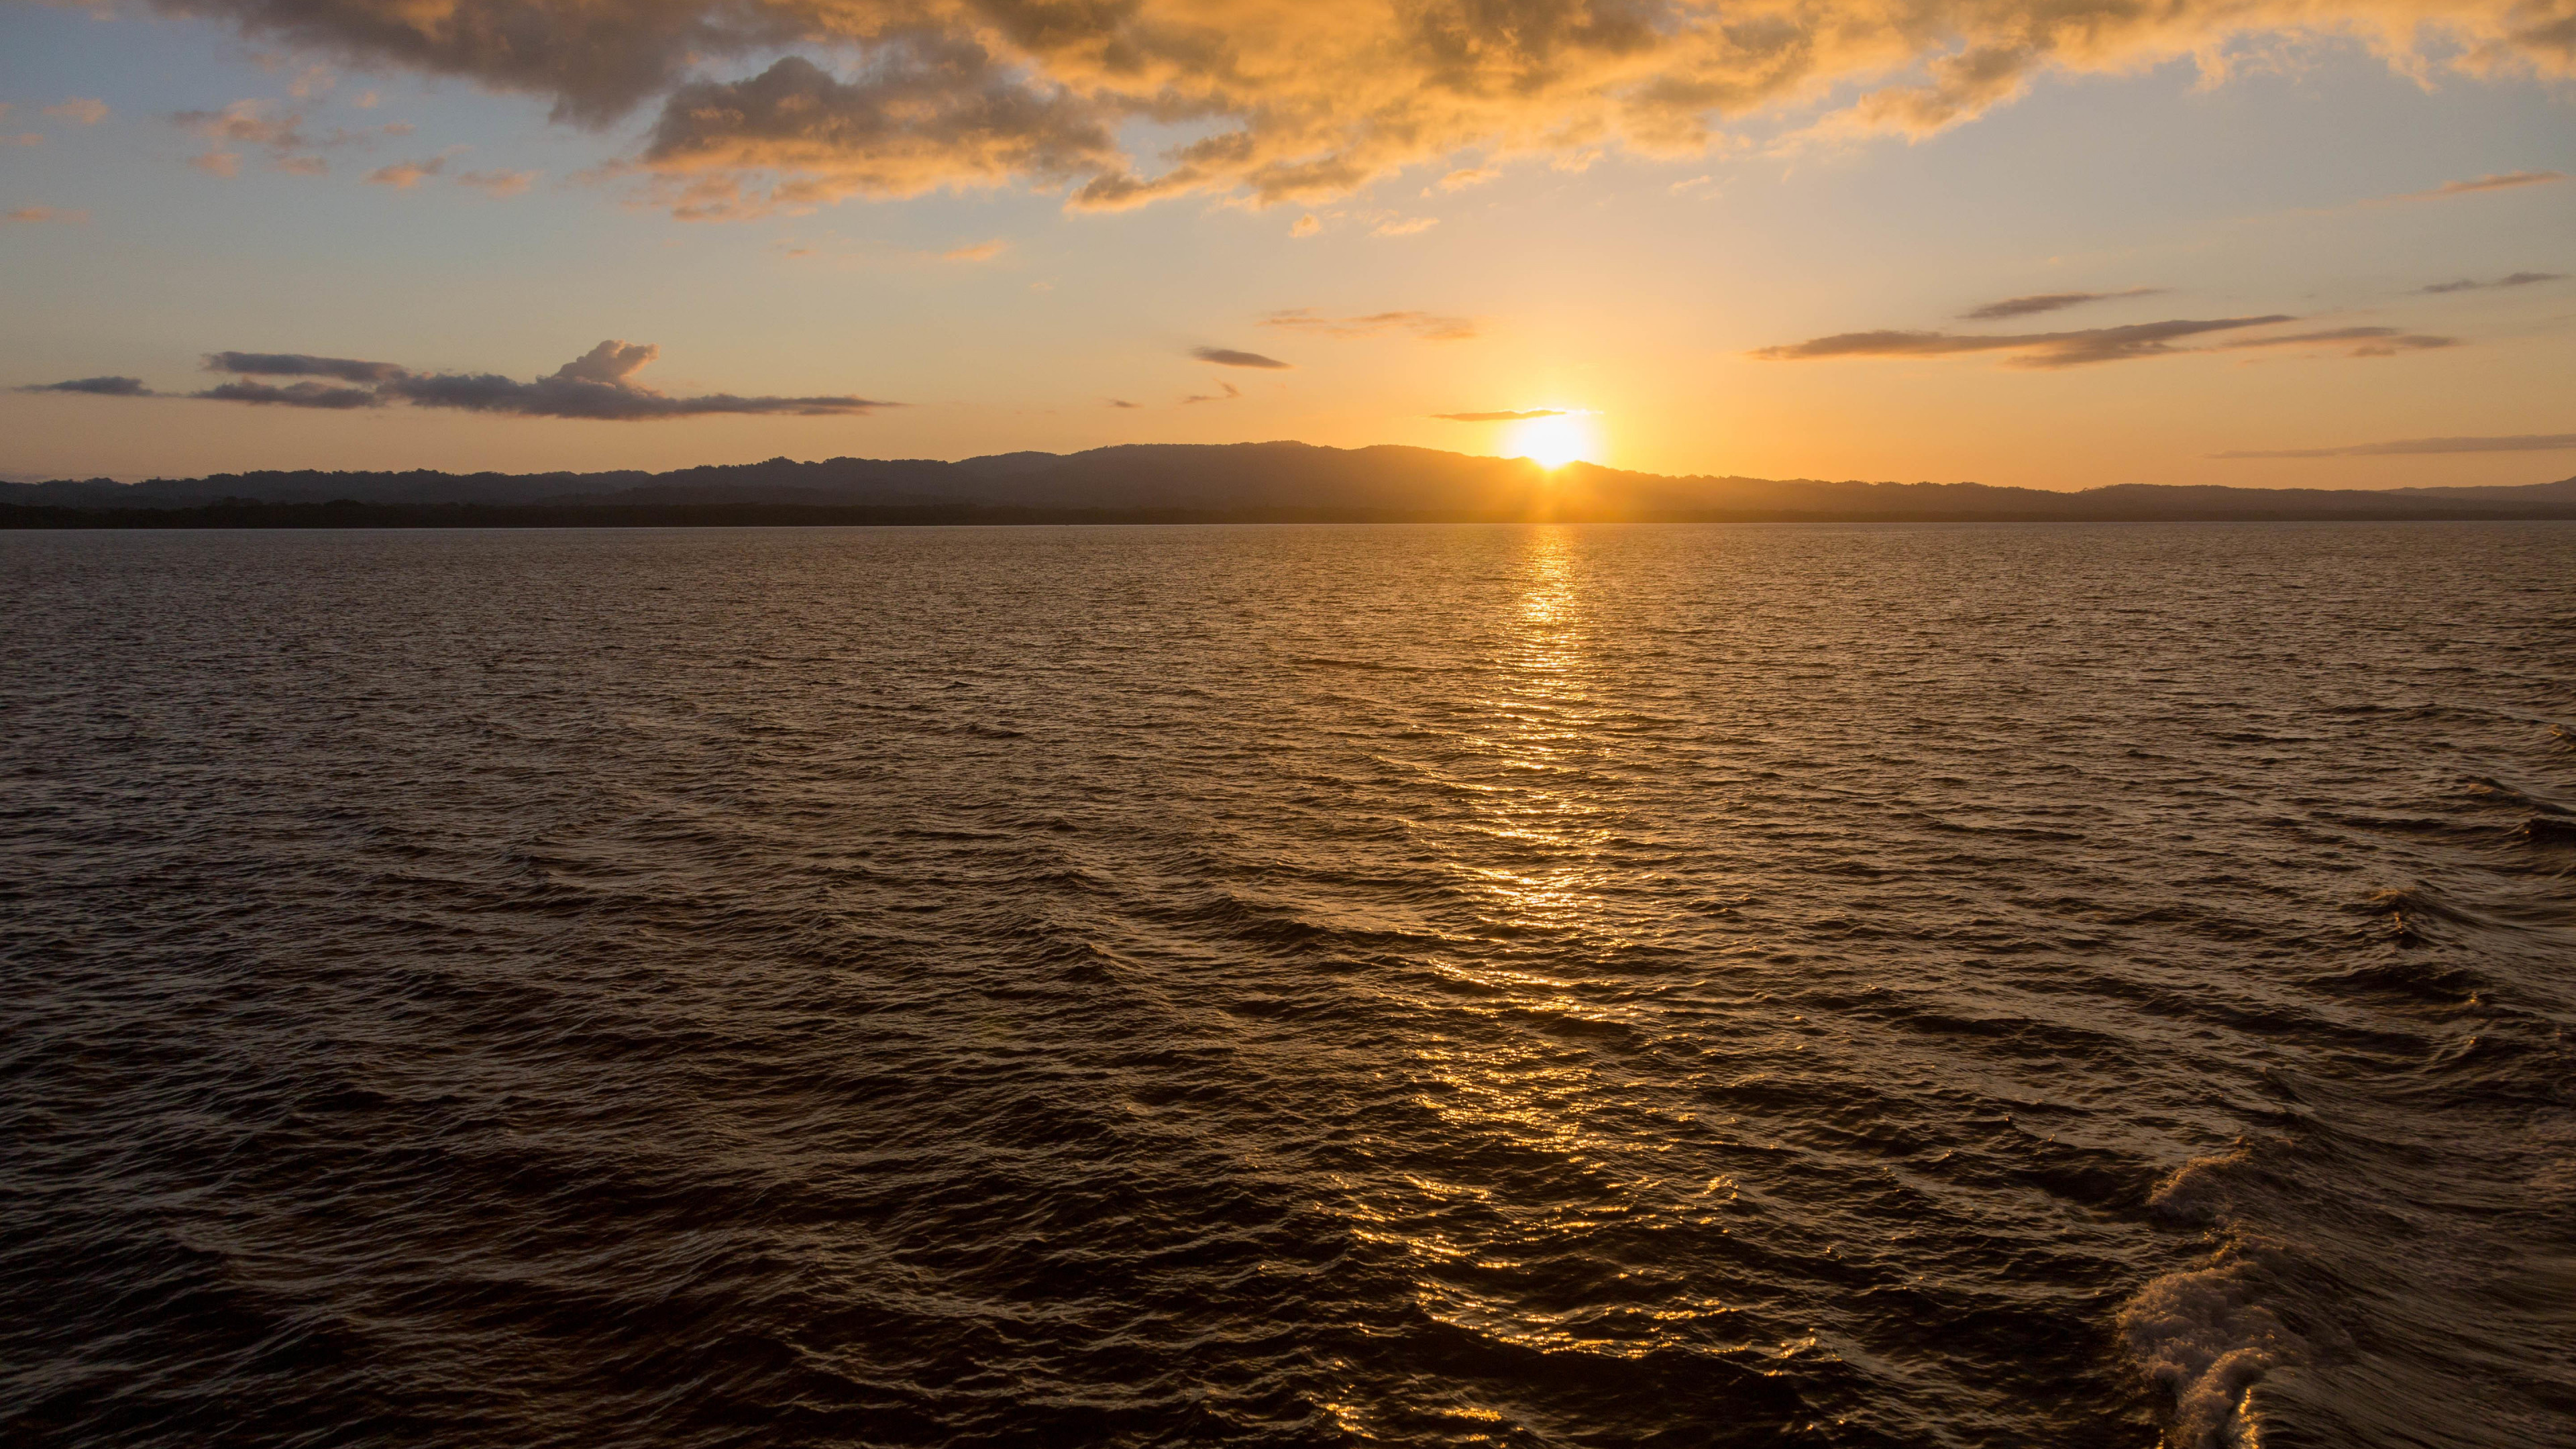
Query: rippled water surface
1831	986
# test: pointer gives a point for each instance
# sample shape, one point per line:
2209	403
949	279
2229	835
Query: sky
2046	243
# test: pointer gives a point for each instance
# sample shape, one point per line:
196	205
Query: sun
1553	442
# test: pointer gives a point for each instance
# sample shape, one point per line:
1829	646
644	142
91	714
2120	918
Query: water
1837	986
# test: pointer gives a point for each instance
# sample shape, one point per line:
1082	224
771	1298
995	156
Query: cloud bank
599	385
1287	102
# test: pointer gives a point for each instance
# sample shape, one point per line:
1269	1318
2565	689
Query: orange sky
2024	243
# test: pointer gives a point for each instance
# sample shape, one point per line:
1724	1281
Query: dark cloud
599	384
296	364
294	395
1120	402
1229	357
2035	349
99	386
2518	279
1499	417
1230	394
2403	447
1429	326
1285	102
2039	302
927	113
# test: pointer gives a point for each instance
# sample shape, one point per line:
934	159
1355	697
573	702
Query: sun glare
1553	442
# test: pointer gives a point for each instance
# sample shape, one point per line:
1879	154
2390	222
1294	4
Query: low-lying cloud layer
2406	447
2104	344
1287	102
600	385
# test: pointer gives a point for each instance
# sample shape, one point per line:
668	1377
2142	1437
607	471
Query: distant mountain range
1184	481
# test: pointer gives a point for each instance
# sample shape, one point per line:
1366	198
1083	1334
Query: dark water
1589	986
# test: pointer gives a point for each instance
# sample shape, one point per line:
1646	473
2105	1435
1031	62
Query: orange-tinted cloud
2508	181
1500	417
1290	102
47	213
80	111
2518	279
1429	326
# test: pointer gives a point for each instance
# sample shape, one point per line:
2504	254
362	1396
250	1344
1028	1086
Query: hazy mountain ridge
1281	477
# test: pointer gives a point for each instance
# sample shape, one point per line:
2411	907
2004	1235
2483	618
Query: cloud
497	184
258	124
1461	179
100	386
218	163
1429	326
1306	225
2047	302
79	111
2369	341
1407	227
600	384
48	213
980	252
297	364
1230	394
23	138
1229	357
294	395
1500	417
2518	279
1120	402
2036	349
2504	182
2404	447
404	175
1289	103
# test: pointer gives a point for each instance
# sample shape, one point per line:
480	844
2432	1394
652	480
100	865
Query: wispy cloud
2039	302
73	216
2518	279
98	386
599	385
1306	225
80	111
979	252
1465	177
1233	357
1120	402
1410	226
1500	417
299	364
2505	181
2032	349
1230	394
2365	341
2406	447
1429	326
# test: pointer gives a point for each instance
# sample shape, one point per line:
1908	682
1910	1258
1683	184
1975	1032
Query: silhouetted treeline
1171	483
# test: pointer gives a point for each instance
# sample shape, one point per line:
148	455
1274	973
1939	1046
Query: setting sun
1553	442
